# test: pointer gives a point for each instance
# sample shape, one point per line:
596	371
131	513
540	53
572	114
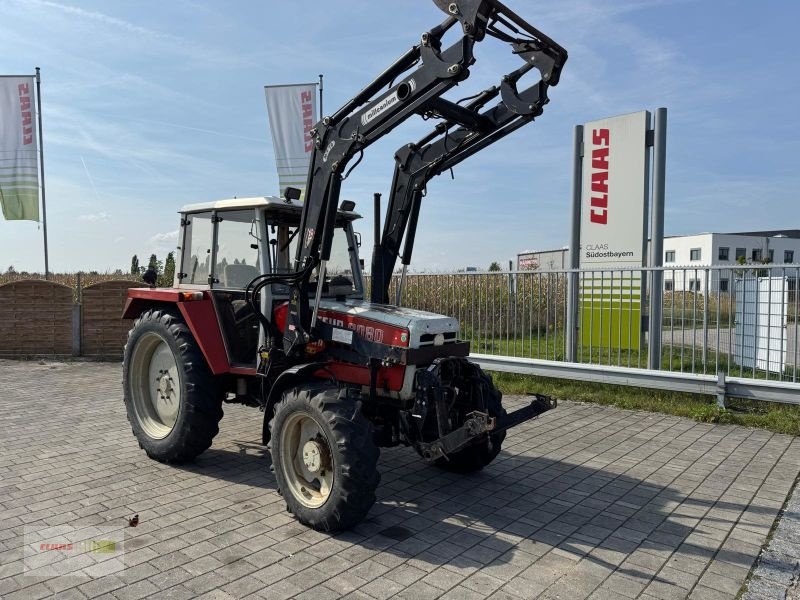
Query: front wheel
173	401
324	456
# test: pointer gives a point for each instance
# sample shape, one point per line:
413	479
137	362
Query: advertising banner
19	174
292	111
613	229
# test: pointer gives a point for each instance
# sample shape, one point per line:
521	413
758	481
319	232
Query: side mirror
291	193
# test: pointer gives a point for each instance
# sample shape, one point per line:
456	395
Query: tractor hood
422	326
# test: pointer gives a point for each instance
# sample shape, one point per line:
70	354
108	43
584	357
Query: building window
694	285
723	285
669	256
724	253
741	254
771	255
668	285
788	256
757	255
694	254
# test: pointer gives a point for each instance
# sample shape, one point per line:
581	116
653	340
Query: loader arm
439	151
416	83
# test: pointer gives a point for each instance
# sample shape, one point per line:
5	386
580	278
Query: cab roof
271	203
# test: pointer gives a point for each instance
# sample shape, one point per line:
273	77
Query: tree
155	264
495	266
168	277
135	265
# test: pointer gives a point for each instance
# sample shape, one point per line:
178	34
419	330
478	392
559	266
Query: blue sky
149	105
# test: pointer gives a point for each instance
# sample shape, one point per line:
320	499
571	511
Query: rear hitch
479	423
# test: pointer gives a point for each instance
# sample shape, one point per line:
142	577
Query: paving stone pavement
777	573
585	502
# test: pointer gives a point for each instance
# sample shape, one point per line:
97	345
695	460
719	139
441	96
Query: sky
150	105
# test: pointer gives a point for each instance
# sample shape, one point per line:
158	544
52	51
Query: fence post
657	239
511	321
706	298
721	389
77	329
571	327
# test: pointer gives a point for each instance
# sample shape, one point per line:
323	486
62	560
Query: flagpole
321	114
41	172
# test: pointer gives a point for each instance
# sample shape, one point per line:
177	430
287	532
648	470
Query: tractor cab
225	245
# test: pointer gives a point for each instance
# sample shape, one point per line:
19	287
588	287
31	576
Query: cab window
237	249
339	270
198	235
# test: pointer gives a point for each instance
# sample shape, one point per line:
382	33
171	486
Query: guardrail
724	330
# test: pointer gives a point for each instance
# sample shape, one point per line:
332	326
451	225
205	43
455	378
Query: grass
676	358
779	418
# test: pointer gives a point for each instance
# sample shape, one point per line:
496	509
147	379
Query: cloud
95	217
160	238
161	243
150	39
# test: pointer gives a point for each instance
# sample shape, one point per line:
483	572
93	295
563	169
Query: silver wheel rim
306	460
155	386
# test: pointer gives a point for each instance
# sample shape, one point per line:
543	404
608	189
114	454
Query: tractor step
478	423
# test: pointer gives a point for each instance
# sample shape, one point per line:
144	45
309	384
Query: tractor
270	309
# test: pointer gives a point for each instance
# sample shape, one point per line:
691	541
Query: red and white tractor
269	306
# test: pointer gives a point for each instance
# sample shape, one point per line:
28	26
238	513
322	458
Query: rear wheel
172	399
324	456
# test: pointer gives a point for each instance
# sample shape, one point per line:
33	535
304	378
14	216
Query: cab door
235	262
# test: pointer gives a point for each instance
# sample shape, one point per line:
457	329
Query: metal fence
724	330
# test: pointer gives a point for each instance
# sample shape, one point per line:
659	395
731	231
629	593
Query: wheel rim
306	460
155	386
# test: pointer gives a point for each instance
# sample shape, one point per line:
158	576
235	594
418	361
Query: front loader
269	305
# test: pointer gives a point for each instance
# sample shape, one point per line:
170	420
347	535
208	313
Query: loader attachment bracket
479	423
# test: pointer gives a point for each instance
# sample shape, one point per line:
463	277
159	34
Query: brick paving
586	502
777	574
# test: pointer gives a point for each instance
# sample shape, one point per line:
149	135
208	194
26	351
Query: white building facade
683	254
543	260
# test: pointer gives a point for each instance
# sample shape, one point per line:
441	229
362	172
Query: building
544	260
685	252
775	247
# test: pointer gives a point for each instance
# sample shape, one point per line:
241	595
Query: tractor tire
479	454
324	456
173	401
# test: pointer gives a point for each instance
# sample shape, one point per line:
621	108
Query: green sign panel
610	310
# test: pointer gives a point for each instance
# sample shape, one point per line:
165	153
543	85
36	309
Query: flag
19	175
292	111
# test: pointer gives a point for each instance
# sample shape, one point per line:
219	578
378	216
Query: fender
299	374
197	310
